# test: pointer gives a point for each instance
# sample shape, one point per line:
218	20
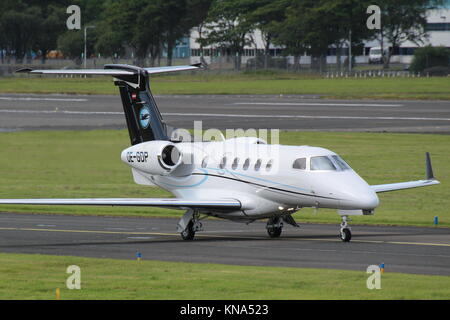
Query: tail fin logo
144	117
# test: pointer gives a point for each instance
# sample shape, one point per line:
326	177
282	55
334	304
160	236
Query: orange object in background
55	54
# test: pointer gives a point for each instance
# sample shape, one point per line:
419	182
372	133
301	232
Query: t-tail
144	121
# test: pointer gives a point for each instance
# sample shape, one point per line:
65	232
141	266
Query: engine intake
170	156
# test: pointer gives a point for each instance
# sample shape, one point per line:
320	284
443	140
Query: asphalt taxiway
303	113
402	249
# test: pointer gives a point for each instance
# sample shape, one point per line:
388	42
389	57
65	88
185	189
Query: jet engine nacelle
153	157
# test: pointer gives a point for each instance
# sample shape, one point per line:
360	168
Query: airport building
438	34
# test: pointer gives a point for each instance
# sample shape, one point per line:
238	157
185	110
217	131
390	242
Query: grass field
247	83
87	164
38	276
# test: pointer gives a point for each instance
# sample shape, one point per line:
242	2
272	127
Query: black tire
189	233
346	235
274	232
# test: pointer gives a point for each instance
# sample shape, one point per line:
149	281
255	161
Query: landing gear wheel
274	227
274	232
346	235
188	233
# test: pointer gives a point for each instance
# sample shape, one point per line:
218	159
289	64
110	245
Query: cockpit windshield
341	163
322	163
328	163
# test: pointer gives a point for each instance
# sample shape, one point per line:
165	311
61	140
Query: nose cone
366	200
357	194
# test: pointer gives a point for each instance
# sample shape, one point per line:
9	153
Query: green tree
317	25
52	24
197	12
146	26
20	26
71	44
119	28
401	21
267	16
229	28
290	34
153	39
173	17
429	57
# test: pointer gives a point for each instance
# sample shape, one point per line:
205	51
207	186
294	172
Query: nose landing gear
345	233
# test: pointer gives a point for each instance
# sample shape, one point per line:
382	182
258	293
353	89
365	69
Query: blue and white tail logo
144	117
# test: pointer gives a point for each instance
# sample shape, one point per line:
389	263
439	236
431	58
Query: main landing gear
189	225
345	233
274	227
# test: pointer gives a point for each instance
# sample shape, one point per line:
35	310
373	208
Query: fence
375	74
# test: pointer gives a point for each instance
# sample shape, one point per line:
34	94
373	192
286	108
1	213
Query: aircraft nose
369	200
362	198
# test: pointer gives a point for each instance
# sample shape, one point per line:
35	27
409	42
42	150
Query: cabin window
341	163
300	164
322	163
223	163
235	164
205	162
246	164
269	165
258	165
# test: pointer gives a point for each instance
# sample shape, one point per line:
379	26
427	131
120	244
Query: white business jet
241	179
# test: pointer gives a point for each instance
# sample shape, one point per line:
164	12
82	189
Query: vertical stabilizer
143	118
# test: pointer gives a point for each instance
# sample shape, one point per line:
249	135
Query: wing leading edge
223	204
430	180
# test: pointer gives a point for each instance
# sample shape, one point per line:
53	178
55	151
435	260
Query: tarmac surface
302	113
402	249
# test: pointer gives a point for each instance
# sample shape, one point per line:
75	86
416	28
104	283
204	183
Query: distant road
401	249
80	112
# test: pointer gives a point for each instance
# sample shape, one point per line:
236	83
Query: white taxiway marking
153	234
42	99
224	115
140	238
61	112
317	104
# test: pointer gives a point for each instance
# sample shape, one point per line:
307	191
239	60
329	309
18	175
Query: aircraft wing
221	204
403	185
430	180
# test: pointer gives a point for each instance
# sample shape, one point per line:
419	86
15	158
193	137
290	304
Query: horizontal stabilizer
94	72
173	69
113	70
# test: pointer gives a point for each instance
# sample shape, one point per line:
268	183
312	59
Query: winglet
24	70
429	167
199	65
